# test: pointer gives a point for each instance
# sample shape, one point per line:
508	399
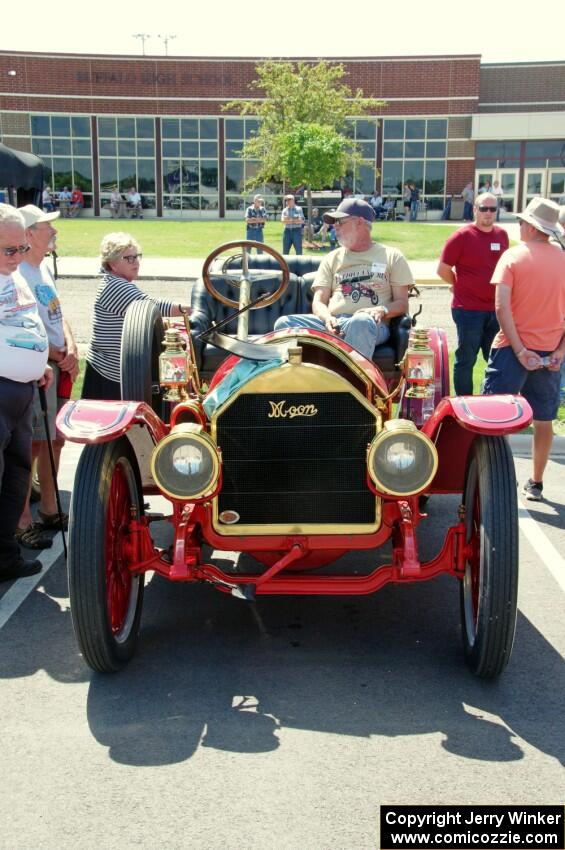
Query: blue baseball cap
351	207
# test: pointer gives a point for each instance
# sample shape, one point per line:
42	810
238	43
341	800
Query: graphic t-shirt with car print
360	279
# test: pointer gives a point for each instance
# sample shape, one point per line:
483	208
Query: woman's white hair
113	246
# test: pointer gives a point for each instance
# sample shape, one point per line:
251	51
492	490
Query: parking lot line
543	546
19	591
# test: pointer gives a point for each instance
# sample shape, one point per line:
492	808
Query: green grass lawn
82	237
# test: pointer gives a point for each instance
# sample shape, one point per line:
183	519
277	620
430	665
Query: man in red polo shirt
467	263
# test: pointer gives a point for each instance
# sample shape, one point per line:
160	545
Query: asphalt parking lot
283	724
280	724
77	297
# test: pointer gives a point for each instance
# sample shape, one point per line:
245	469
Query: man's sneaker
533	490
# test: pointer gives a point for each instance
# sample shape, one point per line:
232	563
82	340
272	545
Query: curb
96	277
522	444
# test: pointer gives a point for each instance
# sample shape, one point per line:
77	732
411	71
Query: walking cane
43	403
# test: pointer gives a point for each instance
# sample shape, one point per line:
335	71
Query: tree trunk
309	230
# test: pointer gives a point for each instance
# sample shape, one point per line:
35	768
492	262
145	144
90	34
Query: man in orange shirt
527	353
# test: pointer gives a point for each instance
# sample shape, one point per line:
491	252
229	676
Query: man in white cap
63	359
528	351
23	361
360	286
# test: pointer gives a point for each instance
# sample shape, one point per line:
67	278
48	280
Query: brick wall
524	87
459	172
161	86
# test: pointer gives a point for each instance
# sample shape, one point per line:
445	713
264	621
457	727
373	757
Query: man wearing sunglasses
360	286
467	262
23	361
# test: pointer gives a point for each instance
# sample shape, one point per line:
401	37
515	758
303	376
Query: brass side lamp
174	372
419	365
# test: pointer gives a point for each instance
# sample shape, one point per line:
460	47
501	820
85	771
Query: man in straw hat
528	351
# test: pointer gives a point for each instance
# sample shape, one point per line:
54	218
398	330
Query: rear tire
106	598
489	589
142	336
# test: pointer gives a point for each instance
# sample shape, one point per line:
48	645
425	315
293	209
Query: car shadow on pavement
211	671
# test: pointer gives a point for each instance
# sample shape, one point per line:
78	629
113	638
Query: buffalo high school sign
109	78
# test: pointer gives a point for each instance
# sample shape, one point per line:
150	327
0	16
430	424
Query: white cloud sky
496	29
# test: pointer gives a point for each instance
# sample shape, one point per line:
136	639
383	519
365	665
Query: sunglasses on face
132	258
483	208
19	249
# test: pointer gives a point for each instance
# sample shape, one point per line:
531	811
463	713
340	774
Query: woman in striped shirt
120	256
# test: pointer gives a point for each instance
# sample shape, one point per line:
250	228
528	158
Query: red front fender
88	421
458	420
493	415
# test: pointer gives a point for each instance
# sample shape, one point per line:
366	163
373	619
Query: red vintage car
297	452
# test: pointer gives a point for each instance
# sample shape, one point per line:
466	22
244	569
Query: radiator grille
299	470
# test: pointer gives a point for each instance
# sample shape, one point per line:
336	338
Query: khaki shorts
54	404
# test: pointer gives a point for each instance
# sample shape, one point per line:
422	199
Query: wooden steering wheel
241	276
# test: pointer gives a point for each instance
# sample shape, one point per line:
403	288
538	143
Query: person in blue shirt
255	218
293	219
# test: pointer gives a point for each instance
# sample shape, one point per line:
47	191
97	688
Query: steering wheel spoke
234	269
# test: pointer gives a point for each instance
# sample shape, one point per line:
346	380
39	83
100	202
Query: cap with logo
351	207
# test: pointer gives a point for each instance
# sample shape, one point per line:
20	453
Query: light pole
165	39
144	36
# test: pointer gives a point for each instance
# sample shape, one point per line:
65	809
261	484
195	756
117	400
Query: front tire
489	589
142	336
106	598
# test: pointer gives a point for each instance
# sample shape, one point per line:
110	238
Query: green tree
303	110
312	153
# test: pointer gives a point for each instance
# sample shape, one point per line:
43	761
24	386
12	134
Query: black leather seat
207	310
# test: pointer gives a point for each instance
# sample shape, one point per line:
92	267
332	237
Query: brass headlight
186	464
401	460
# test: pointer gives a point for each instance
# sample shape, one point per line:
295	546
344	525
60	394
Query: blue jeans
476	330
255	234
414	210
292	236
15	460
505	374
467	211
360	331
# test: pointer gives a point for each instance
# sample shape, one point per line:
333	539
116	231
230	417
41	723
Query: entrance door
508	178
534	184
556	187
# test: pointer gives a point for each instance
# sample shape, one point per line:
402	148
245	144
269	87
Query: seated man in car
385	275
